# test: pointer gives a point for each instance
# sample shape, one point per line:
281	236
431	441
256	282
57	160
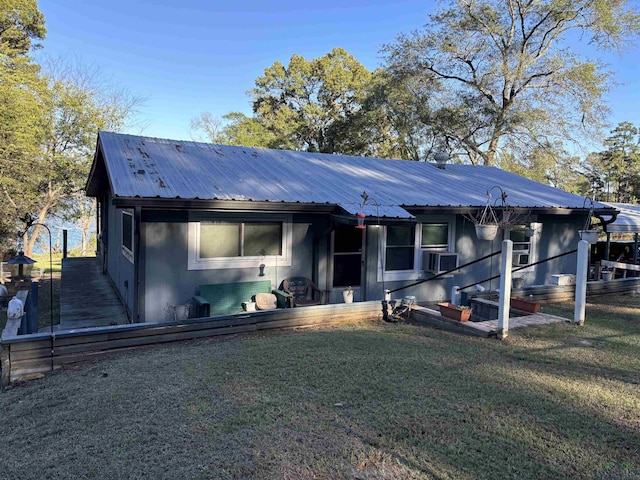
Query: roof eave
224	205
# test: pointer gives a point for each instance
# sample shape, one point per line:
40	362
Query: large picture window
243	239
238	243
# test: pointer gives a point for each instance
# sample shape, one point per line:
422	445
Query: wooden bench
221	298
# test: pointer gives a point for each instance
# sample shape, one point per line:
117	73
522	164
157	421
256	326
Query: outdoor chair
303	291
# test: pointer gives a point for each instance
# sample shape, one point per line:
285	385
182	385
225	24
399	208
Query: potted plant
525	305
347	295
460	313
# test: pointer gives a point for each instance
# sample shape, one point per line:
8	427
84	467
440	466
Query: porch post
505	289
581	281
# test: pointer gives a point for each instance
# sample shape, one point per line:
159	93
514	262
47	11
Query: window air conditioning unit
520	259
439	262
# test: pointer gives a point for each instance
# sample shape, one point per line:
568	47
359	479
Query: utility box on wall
563	279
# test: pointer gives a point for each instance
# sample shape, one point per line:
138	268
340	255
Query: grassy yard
363	401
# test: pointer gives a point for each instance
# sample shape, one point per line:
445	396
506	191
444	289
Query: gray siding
555	235
167	279
118	267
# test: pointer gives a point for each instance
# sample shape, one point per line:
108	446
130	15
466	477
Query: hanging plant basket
486	231
590	236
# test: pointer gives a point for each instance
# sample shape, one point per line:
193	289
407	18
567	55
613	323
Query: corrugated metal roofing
158	168
628	220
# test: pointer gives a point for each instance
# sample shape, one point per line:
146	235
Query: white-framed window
403	246
126	228
239	242
524	245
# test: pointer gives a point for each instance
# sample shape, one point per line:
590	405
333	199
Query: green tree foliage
552	166
21	90
20	23
314	105
309	105
77	104
235	128
614	173
499	74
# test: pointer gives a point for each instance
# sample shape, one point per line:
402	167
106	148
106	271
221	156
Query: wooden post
64	243
505	289
6	366
581	281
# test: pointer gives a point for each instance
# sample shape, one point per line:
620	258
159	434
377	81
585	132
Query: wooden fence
25	355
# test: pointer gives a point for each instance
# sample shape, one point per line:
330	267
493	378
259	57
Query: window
405	248
222	239
435	236
347	256
238	243
127	235
523	246
400	253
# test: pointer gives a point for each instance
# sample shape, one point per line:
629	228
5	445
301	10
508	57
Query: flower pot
517	283
606	276
590	236
487	231
524	305
453	312
347	296
176	313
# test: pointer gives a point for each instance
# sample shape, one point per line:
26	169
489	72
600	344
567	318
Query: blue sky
192	56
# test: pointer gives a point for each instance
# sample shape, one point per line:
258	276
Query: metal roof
628	220
146	167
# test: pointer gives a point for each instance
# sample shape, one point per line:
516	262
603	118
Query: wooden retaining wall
25	355
561	293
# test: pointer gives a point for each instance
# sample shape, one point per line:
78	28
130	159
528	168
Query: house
174	215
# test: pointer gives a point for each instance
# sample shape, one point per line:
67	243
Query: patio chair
303	291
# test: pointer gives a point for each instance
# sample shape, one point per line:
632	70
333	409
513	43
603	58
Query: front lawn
364	401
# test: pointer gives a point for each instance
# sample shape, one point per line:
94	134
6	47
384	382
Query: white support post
581	281
505	289
455	294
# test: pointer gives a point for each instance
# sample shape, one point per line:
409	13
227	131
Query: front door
347	256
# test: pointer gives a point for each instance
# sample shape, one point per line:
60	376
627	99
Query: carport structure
627	221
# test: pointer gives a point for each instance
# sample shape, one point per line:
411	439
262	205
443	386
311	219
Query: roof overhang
223	205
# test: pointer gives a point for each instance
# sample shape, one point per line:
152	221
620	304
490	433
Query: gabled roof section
143	167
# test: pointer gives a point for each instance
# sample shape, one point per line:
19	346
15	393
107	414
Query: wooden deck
87	298
487	328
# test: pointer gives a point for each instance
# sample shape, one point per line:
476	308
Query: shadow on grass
362	401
